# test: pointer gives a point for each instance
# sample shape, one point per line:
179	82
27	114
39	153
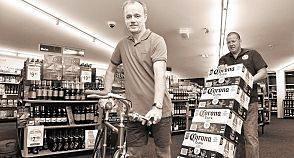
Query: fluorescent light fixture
7	53
30	55
31	7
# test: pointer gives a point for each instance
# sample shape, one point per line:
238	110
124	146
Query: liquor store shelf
8	83
60	101
8	108
70	126
288	107
48	152
8	94
176	131
9	119
179	115
175	101
7	73
288	116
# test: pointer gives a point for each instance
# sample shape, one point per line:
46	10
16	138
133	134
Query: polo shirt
137	59
252	60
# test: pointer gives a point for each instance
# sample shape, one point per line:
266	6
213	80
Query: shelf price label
86	76
35	136
33	73
90	137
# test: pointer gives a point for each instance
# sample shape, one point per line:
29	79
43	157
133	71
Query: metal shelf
48	152
8	119
60	101
179	115
70	126
8	107
177	101
9	94
176	131
6	73
9	83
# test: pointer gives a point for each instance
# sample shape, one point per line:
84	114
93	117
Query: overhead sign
73	51
50	48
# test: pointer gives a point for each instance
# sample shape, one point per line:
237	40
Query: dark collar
243	51
145	36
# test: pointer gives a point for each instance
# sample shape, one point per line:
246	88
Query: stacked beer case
217	122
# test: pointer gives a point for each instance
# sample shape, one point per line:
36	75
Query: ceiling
264	25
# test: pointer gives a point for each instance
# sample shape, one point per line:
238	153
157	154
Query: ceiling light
48	16
7	53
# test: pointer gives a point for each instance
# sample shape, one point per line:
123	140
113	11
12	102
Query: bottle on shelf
61	91
44	90
67	91
39	90
32	91
49	90
55	91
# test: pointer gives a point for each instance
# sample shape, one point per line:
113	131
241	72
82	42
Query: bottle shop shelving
54	116
9	80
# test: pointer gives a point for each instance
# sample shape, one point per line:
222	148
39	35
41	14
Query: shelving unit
288	102
180	117
272	92
48	152
54	116
8	95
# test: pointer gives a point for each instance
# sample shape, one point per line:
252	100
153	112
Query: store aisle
278	139
276	142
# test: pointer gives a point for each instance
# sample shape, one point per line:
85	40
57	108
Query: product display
238	70
218	121
197	144
232	92
55	102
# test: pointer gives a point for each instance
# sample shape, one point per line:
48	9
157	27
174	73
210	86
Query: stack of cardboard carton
217	122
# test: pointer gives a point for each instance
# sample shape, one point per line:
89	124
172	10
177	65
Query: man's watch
158	106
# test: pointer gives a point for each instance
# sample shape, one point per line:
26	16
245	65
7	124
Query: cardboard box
230	81
238	70
52	67
200	145
218	121
224	104
71	68
225	92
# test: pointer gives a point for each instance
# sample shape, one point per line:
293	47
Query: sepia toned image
146	78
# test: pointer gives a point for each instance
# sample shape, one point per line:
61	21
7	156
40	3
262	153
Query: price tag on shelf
35	136
86	76
33	73
90	137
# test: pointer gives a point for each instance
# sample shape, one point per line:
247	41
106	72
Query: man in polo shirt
257	67
143	55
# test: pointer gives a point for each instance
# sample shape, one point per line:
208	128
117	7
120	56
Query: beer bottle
39	90
44	90
67	91
32	91
55	91
61	91
49	90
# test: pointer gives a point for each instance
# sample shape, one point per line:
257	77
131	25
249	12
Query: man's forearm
109	78
261	74
159	78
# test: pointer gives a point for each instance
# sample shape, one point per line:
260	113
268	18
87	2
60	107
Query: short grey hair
135	1
234	33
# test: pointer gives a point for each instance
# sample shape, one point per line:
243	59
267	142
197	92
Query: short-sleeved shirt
252	60
138	59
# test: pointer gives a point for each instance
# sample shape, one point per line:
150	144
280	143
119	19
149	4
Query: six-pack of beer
217	122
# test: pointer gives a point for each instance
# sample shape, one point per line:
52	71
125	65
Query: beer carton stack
217	122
